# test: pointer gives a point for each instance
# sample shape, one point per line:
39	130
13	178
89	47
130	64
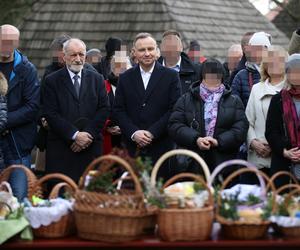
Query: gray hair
68	42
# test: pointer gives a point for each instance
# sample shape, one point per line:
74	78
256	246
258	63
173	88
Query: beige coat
256	112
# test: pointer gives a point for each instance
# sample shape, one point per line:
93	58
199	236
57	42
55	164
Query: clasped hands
261	147
82	141
292	154
205	143
142	138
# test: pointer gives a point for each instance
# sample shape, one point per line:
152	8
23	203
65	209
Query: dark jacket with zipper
23	98
186	125
241	84
189	72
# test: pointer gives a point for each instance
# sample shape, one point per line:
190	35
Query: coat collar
153	81
266	90
67	81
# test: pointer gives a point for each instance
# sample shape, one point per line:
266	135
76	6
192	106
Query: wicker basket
31	178
290	232
242	229
66	225
191	224
111	224
280	173
218	169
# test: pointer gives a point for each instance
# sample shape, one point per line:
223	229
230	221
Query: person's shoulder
92	72
52	76
128	73
242	73
23	63
256	88
165	70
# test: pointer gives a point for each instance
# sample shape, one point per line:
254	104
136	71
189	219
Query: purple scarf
211	100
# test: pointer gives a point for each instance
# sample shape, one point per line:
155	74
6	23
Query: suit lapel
84	83
154	80
139	85
67	82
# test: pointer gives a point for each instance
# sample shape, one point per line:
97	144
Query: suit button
144	104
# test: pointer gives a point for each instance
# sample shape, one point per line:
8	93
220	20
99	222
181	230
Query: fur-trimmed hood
3	84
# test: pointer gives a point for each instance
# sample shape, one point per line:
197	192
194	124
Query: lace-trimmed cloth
44	216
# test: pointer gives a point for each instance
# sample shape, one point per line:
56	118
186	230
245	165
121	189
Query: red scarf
290	115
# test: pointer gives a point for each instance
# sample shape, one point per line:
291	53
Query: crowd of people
156	99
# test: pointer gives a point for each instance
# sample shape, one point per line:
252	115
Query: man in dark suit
144	100
76	107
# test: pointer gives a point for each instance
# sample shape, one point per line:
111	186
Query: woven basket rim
224	221
187	210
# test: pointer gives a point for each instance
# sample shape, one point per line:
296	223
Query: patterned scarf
290	115
211	98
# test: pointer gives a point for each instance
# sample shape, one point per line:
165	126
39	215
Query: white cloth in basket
244	189
44	216
286	221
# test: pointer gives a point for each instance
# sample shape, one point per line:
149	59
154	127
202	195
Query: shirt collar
150	71
177	65
72	74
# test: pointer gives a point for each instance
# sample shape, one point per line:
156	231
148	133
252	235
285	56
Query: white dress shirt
72	74
146	75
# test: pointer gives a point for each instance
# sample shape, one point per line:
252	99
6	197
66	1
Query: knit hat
194	45
260	38
112	44
292	62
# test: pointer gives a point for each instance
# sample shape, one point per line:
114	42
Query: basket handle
58	176
262	184
228	163
284	187
31	178
197	178
94	163
174	152
289	196
280	173
55	190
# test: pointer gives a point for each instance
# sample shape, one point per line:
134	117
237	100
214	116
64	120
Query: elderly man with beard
76	107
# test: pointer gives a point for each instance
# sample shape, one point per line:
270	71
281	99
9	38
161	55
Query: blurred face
93	59
212	80
276	63
293	76
194	55
256	53
9	40
171	48
145	52
58	56
234	58
119	67
75	56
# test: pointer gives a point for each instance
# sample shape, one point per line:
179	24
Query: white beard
75	68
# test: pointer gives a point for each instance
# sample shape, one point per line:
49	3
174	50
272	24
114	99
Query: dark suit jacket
136	108
67	114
